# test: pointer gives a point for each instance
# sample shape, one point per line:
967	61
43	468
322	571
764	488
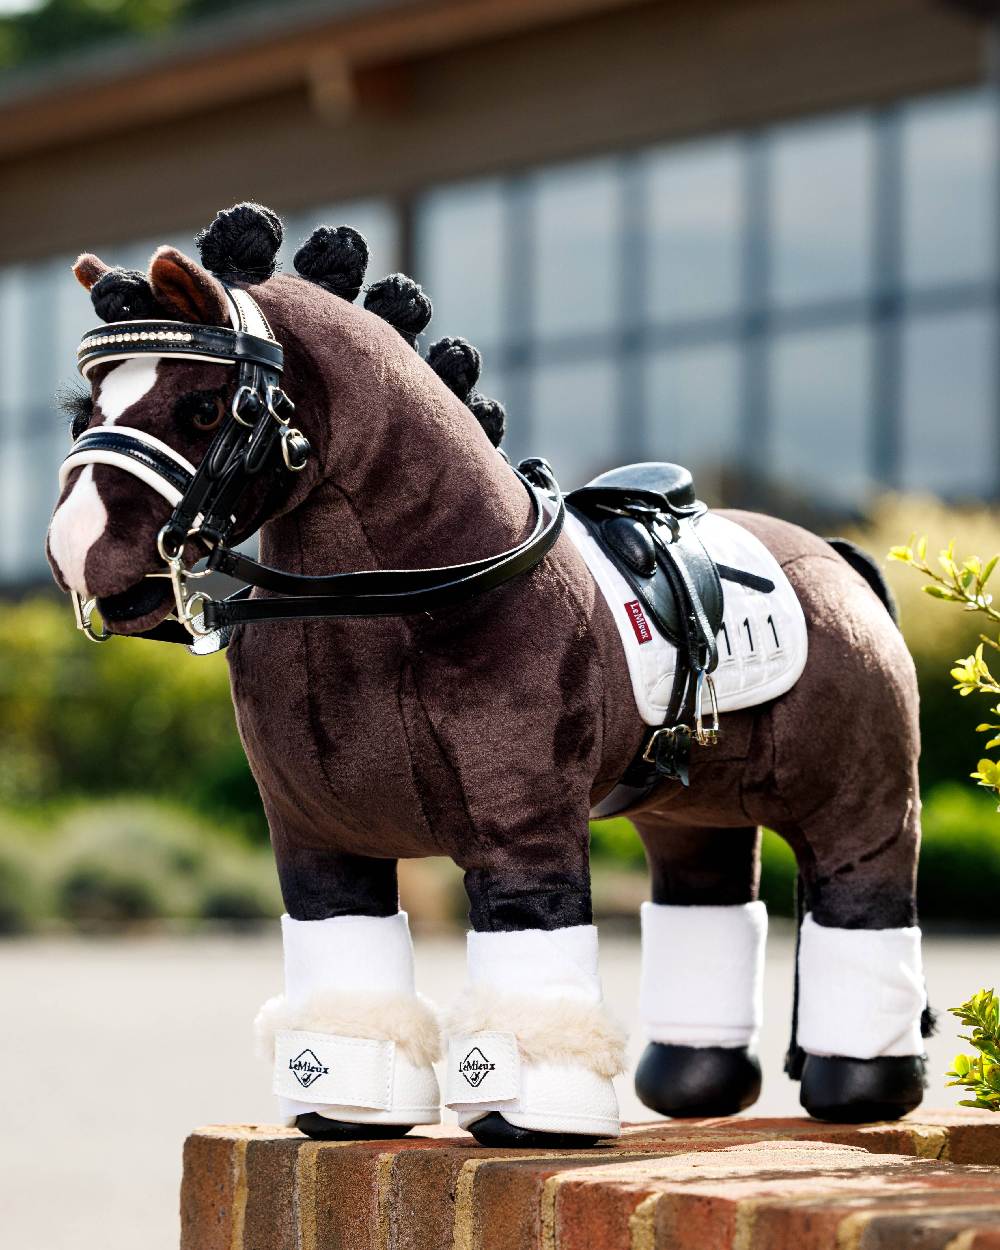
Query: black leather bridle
256	442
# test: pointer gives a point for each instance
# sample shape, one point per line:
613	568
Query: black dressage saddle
645	517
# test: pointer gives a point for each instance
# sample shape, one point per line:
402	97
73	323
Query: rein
256	442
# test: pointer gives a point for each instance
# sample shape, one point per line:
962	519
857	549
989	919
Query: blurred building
757	237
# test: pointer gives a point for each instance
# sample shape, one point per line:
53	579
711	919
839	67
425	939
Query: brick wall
931	1183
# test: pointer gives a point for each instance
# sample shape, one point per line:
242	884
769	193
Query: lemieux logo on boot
307	1068
475	1067
637	619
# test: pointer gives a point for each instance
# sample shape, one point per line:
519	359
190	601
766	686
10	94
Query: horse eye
204	410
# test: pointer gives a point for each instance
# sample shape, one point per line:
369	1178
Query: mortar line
383	1178
642	1224
305	1194
239	1194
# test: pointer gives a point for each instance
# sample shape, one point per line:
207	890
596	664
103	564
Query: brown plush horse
487	730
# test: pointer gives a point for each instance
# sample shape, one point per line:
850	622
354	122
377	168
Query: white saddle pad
762	642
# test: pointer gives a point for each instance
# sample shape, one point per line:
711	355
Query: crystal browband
178	340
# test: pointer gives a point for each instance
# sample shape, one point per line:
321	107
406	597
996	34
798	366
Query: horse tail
867	566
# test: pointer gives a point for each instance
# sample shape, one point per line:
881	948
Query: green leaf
941	592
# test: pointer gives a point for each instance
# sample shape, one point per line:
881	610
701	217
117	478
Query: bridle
257	443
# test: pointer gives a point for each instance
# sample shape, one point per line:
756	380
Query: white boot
350	1038
530	1038
861	991
703	974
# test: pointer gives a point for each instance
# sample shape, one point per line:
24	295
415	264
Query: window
949	190
821	188
950	429
694	210
820	387
691	410
460	249
575	253
575	407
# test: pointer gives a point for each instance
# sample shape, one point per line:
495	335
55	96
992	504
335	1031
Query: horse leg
351	1041
531	1051
861	996
702	966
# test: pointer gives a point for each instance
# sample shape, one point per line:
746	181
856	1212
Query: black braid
335	259
241	244
400	301
491	415
458	364
124	295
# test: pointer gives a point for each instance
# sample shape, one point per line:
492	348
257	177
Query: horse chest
319	712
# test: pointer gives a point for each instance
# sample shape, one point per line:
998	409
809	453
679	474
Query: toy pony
443	656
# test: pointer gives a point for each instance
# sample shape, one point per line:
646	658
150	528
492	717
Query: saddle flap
645	565
659	485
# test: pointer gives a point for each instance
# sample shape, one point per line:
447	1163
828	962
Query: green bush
936	634
959	876
20	892
127	861
125	717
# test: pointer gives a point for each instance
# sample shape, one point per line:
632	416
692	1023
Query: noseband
255	443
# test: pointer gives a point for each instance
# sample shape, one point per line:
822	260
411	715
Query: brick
753	1184
214	1189
776	1195
973	1136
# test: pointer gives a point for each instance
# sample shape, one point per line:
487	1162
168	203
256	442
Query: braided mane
241	245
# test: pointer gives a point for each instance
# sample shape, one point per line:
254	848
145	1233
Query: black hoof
856	1091
686	1081
493	1130
319	1127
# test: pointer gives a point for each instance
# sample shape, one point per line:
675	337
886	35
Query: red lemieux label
640	625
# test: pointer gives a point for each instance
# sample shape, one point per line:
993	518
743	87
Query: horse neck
407	478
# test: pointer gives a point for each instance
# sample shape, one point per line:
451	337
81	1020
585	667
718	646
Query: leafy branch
979	1074
964	582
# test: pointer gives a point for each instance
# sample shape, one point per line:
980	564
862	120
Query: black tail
868	567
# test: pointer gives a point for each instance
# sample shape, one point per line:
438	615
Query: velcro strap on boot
340	1071
482	1067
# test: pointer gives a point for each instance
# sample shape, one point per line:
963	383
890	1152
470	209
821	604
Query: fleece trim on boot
406	1019
560	1030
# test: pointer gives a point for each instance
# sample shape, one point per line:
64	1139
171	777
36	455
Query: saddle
644	517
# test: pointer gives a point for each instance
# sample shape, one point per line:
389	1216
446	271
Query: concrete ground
113	1050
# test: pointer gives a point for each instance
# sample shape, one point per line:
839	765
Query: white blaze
82	518
124	385
79	522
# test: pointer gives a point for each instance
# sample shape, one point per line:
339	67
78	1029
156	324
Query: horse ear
87	268
185	289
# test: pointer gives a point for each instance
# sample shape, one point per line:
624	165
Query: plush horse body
486	732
